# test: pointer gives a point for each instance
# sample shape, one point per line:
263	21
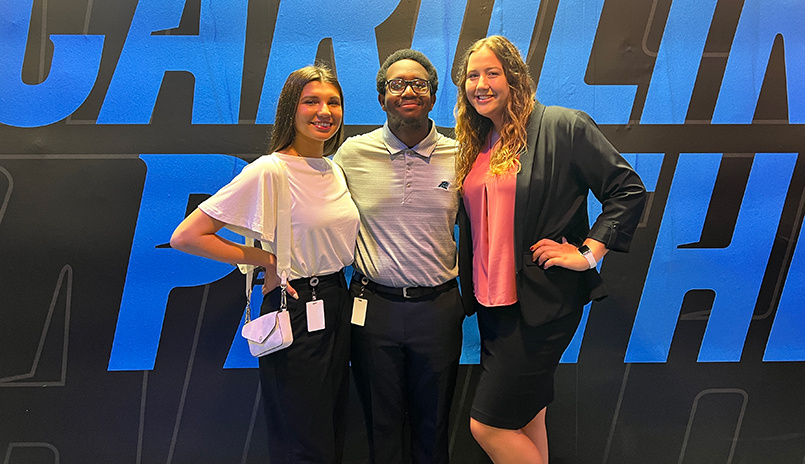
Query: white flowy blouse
324	220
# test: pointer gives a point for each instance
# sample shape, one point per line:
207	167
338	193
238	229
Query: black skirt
518	362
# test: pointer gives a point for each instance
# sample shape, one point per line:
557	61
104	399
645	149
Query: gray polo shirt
407	201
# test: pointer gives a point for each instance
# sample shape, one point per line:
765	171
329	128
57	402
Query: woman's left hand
548	253
272	281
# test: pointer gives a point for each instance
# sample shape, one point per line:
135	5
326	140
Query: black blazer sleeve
567	158
612	180
465	260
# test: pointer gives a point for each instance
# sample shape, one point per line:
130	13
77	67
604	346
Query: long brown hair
472	129
283	133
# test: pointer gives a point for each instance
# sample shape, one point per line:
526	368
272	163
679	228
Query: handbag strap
283	239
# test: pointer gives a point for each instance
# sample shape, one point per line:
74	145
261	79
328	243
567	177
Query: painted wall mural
118	118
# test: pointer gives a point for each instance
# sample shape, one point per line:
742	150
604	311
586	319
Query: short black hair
407	54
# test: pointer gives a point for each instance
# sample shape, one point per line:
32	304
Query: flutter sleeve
248	205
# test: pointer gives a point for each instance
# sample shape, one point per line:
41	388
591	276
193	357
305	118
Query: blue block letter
437	31
678	61
153	272
351	26
76	60
566	60
761	21
214	57
734	272
787	338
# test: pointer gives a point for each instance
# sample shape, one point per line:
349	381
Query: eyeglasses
398	86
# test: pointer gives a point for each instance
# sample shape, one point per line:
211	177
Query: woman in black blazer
525	170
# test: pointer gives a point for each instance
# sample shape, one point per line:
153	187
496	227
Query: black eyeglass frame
409	84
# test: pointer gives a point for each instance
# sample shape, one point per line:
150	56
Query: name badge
359	311
315	315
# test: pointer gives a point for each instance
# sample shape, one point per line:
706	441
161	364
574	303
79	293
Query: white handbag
268	333
272	332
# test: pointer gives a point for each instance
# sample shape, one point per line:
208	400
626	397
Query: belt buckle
405	292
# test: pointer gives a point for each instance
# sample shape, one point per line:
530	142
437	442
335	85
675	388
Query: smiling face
486	86
318	117
407	110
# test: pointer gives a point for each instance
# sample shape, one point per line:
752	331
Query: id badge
315	315
359	311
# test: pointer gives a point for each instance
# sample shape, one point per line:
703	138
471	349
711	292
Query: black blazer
567	156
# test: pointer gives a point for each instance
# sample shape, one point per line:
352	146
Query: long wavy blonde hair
472	129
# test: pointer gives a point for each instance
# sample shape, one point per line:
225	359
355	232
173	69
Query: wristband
588	255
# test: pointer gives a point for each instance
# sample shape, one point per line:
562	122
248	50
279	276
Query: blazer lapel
527	207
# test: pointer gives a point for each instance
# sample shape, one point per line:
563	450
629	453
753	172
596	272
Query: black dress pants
405	362
306	386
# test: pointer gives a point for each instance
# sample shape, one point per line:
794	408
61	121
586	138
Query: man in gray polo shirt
406	337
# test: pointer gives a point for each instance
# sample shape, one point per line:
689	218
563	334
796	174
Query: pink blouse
489	200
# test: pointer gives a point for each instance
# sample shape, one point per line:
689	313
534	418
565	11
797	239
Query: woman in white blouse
305	386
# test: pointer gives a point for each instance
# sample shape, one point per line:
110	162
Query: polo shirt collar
424	148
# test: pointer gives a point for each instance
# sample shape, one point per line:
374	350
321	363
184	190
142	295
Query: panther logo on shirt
444	185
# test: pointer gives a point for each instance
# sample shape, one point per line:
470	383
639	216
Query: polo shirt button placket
408	154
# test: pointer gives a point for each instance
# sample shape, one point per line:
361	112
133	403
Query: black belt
403	292
334	277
